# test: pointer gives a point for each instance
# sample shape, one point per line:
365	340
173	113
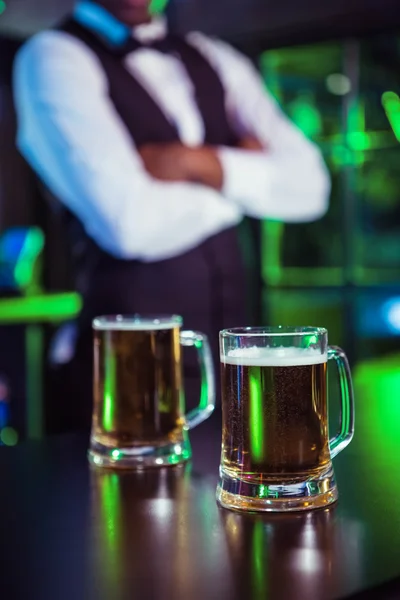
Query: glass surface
138	415
276	452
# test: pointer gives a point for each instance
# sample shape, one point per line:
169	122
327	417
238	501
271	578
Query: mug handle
207	395
346	431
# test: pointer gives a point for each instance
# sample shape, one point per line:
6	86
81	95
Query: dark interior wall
17	186
259	24
252	22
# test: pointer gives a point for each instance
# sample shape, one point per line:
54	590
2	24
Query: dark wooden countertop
67	532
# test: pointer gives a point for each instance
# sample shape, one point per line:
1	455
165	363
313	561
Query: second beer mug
138	413
276	452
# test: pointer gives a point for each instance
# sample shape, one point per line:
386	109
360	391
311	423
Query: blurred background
335	70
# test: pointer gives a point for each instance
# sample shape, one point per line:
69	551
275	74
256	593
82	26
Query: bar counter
71	532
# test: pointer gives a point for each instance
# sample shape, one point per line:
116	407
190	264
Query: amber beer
274	414
137	385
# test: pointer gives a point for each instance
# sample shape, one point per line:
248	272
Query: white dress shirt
71	134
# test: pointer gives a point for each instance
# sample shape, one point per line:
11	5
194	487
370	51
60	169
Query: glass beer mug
138	414
276	451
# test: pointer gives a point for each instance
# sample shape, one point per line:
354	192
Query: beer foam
125	325
274	357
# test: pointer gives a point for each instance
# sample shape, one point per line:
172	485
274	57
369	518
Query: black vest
205	285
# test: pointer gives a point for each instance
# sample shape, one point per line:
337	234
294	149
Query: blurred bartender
157	146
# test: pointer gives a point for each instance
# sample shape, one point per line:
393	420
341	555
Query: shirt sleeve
72	136
289	180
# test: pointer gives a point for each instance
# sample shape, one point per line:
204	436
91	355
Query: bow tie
165	45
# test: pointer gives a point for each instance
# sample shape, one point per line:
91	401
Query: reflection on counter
274	546
163	517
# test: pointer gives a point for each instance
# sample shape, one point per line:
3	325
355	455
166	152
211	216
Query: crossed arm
177	162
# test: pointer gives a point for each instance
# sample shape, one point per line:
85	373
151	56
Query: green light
109	392
272	241
269	65
158	6
303	276
377	388
380	378
115	454
263	491
24	269
341	155
359	140
180	455
3	6
110	530
259	562
8	436
306	115
34	344
376	441
256	415
47	308
391	105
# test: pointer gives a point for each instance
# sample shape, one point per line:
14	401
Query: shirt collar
99	20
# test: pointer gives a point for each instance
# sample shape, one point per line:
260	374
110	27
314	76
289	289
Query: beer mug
138	414
276	451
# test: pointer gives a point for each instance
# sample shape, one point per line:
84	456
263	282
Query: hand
167	162
205	167
250	143
176	162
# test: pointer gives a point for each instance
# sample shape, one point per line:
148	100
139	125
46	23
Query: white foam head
126	324
274	357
